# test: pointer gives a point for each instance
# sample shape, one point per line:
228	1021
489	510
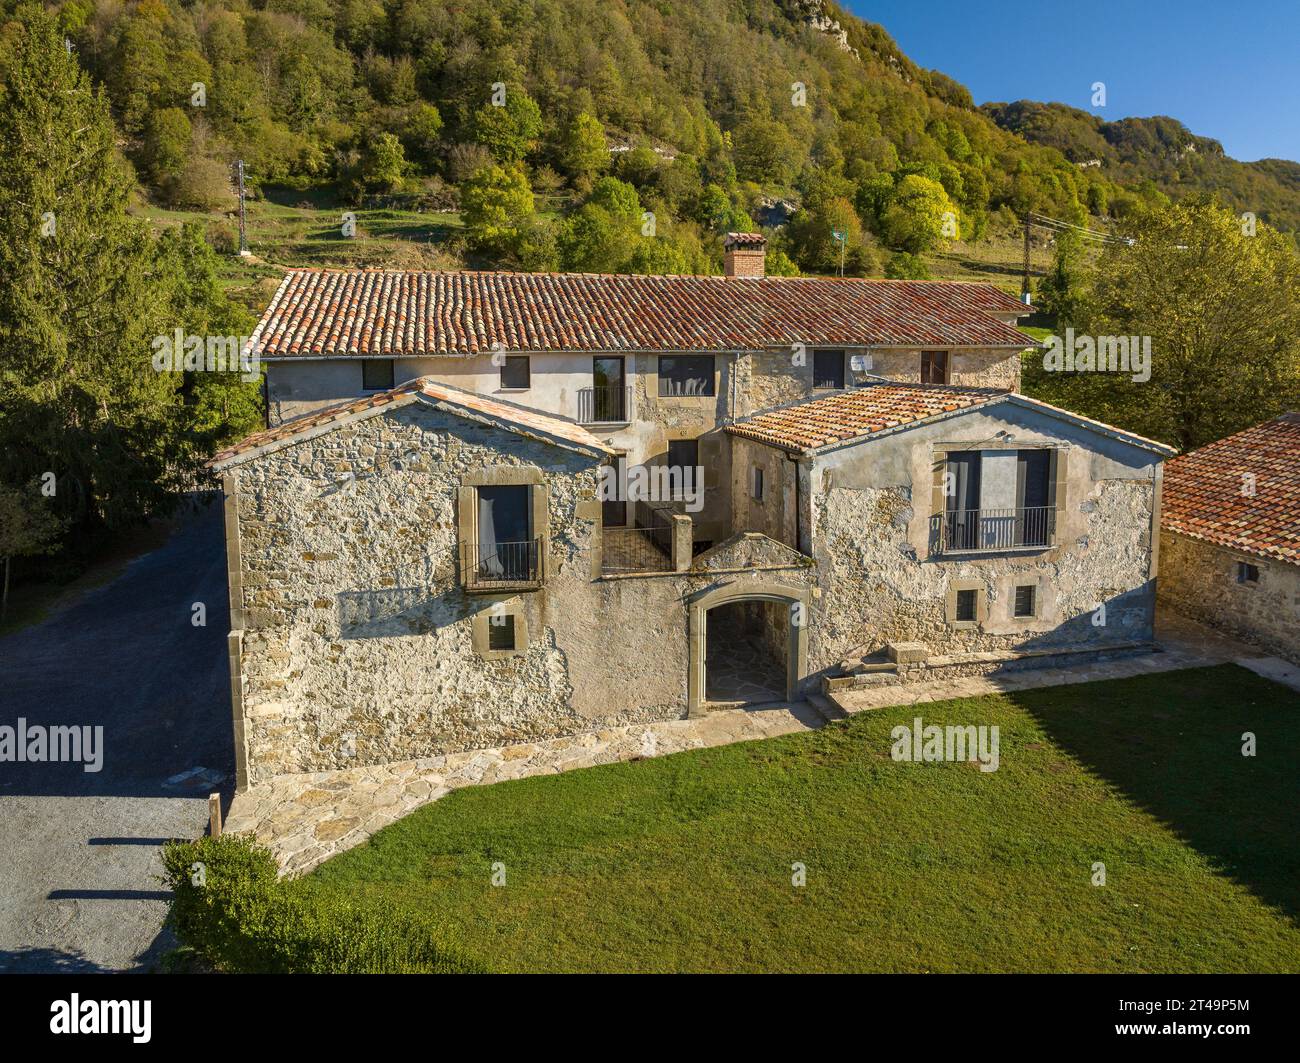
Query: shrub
230	906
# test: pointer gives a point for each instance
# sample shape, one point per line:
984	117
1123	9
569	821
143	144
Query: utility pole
243	228
1024	287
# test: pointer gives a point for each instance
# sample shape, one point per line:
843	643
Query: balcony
605	405
982	531
490	567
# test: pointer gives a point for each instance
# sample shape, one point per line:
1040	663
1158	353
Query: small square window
828	369
515	373
934	367
1026	600
757	489
376	374
1247	573
966	602
501	633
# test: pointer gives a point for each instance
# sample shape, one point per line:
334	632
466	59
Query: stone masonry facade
1202	580
356	641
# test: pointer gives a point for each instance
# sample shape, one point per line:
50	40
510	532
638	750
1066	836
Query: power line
1064	228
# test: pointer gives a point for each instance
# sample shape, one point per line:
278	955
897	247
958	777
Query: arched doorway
761	620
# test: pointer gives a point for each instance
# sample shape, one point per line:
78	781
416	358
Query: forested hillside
551	127
1161	151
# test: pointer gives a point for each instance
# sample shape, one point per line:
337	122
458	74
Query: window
376	374
934	367
1025	600
1247	573
999	499
501	633
605	402
515	372
962	501
690	375
757	487
506	551
828	369
966	603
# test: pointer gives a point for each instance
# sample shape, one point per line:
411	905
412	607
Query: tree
618	197
79	396
220	405
509	131
496	205
1061	292
1222	310
766	152
596	239
420	133
27	527
382	163
167	143
905	267
812	240
920	216
583	151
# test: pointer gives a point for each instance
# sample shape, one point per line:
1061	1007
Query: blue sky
1225	70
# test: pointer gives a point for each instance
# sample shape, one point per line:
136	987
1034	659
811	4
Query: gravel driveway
79	853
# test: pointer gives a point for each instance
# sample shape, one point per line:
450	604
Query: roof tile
387	313
851	415
1208	495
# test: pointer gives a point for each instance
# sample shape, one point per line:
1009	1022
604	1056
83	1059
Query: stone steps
826	708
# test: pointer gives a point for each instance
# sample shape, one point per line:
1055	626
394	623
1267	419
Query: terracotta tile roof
850	415
1203	494
515	418
744	240
386	313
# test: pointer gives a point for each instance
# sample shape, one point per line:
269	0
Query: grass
683	863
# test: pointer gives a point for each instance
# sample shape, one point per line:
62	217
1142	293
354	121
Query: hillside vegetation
595	135
1158	153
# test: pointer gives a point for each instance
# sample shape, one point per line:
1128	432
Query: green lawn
684	862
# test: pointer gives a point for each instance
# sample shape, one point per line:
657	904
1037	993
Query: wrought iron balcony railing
608	405
991	530
488	565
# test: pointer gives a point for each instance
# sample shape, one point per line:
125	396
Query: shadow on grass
1175	750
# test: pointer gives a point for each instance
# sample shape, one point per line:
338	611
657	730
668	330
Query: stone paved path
306	819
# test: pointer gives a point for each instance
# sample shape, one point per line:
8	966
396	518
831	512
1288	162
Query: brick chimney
745	255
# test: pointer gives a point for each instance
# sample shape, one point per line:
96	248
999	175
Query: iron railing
489	564
645	546
980	530
608	405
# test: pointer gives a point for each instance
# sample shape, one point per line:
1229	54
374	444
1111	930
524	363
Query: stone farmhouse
445	539
1232	535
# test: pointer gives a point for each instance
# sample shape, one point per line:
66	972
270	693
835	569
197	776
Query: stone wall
981	368
878	588
359	644
1199	580
881	581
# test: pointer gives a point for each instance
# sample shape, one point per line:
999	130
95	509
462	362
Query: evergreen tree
80	302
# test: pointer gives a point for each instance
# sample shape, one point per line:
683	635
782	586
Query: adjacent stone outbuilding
1232	535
